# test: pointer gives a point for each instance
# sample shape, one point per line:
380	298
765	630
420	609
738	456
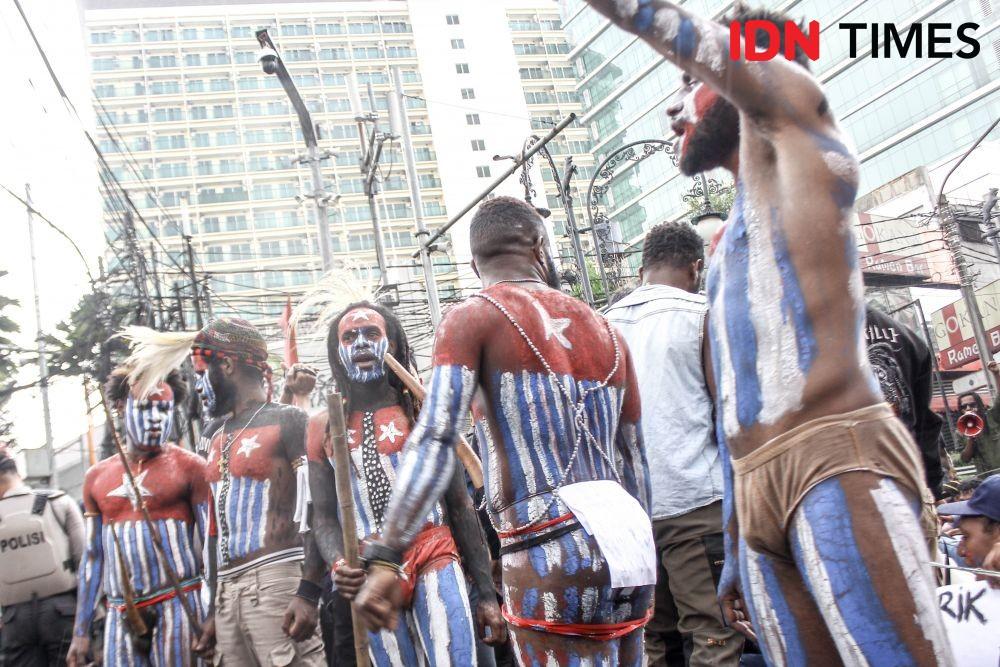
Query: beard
712	140
224	391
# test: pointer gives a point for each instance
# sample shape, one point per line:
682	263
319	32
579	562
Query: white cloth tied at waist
620	526
302	495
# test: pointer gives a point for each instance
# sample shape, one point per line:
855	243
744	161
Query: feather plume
333	291
154	354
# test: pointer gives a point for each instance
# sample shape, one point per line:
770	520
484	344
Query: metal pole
273	64
371	187
989	203
949	228
500	179
194	282
410	162
162	321
43	363
208	296
569	170
182	325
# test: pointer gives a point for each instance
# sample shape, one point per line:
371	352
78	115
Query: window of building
472	119
192	60
395	27
329	29
458	43
468	94
483	171
478	145
241	31
452	19
462	68
198	113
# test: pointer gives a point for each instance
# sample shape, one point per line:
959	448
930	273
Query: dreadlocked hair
117	386
403	354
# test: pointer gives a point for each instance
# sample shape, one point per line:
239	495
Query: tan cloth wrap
771	481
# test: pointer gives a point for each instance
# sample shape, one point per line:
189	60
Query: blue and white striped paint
245	513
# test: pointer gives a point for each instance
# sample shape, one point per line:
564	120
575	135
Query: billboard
953	330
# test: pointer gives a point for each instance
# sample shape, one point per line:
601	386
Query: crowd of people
736	476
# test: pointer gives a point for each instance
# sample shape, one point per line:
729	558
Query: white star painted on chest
247	445
389	432
554	327
126	490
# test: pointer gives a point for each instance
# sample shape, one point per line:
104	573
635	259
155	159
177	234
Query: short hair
502	222
969	485
673	244
743	13
117	386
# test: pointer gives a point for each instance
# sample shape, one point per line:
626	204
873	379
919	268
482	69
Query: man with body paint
825	493
559	407
435	625
170	481
263	570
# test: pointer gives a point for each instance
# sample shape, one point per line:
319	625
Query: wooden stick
168	567
465	453
345	499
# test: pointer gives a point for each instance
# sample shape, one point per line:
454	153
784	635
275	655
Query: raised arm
430	450
631	453
761	89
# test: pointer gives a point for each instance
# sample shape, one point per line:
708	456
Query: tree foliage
86	344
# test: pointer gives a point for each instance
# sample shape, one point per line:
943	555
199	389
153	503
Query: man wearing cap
978	520
263	566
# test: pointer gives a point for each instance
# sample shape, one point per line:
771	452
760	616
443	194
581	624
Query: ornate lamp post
709	221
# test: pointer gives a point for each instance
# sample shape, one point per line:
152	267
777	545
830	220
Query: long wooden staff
154	533
345	498
465	454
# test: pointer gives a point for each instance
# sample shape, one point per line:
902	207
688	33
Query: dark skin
969	405
379	599
301	616
371	396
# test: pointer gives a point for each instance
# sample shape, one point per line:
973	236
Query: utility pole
187	231
179	304
272	64
139	266
160	320
372	142
207	295
400	125
989	203
43	362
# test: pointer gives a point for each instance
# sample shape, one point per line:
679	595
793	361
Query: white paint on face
822	591
766	620
626	8
904	531
667	23
781	380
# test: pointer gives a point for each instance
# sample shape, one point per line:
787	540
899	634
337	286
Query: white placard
619	525
971	614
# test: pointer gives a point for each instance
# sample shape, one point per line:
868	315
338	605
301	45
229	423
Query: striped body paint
762	336
171	637
174	491
149	421
531	444
252	484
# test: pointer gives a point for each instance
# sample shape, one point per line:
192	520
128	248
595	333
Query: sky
42	143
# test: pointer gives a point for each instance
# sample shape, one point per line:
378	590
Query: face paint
203	385
148	422
363	344
709	127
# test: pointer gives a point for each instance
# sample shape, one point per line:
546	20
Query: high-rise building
901	112
203	137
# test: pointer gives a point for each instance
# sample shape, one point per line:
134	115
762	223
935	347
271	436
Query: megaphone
970	425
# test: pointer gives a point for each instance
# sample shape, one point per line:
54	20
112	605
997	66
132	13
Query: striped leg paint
395	649
443	618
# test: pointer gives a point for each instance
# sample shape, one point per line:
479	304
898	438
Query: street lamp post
709	221
272	64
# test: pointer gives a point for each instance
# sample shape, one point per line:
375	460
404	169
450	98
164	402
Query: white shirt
664	328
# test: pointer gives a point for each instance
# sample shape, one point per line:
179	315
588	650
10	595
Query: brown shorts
771	481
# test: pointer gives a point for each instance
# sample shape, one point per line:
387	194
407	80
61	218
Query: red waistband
534	528
156	599
601	632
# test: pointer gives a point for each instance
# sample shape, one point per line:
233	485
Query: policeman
41	542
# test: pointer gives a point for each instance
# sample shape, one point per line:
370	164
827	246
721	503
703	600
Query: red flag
291	347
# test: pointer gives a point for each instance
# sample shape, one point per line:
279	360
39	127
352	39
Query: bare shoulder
185	460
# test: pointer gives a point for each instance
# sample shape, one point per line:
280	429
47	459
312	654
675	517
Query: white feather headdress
154	354
333	291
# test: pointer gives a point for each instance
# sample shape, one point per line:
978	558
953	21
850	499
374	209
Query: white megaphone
970	425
